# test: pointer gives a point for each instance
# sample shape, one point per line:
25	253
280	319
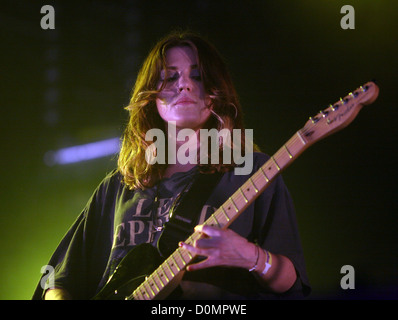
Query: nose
185	83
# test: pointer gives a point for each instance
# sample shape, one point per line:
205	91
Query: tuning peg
364	88
324	113
314	119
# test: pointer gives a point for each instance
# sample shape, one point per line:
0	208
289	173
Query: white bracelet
268	262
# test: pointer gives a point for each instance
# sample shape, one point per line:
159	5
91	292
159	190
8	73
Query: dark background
289	59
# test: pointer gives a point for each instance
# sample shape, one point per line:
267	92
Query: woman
183	83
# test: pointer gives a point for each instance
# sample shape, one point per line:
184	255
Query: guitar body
140	262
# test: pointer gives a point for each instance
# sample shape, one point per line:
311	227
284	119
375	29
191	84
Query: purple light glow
83	152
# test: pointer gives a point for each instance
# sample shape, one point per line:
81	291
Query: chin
188	125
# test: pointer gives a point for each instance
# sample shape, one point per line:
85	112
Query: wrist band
268	262
258	256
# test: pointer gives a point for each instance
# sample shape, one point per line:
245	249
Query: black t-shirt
117	219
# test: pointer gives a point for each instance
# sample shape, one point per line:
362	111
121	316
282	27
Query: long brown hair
226	109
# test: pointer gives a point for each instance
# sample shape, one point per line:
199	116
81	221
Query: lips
184	100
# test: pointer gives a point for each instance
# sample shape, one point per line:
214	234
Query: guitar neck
158	284
258	182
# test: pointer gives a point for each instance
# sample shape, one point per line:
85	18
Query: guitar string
354	95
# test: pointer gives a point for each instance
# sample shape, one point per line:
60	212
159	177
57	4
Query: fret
175	262
236	208
145	295
182	258
254	186
215	219
137	294
189	254
152	282
148	292
265	176
142	290
190	240
225	214
290	155
246	200
277	166
161	283
171	270
186	256
146	289
164	273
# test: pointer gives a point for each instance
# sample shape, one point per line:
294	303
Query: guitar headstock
340	114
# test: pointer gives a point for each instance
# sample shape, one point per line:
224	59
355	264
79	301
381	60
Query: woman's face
183	99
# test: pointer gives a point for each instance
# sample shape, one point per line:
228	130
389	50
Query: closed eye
170	78
195	74
197	78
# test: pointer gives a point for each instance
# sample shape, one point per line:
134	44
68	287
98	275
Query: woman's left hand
221	248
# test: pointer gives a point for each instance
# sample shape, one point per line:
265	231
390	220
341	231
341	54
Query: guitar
130	280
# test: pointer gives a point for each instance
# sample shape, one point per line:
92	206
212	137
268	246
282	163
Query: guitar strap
185	210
